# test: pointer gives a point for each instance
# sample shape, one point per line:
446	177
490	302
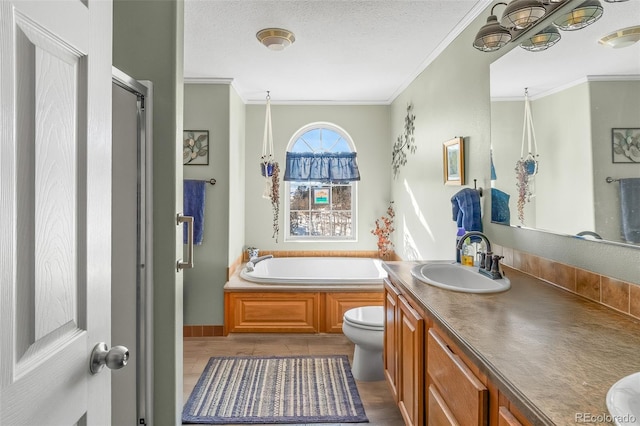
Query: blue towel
500	207
630	209
193	205
466	209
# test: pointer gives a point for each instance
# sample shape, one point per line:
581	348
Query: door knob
115	358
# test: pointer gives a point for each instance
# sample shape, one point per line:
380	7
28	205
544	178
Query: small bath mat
275	389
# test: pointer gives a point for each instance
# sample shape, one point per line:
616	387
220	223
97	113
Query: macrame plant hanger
531	160
526	167
267	159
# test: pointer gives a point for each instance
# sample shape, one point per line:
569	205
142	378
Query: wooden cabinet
411	364
433	382
292	312
465	396
337	303
506	418
404	354
390	337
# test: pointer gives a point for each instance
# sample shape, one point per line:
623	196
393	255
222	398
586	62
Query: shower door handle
180	218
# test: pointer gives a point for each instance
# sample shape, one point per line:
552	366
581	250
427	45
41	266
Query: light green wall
369	128
614	104
206	107
564	154
236	177
450	98
564	186
148	45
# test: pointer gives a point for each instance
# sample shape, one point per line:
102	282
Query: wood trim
506	418
336	304
202	330
272	312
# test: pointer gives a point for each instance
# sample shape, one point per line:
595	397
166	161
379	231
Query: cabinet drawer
439	413
460	389
505	418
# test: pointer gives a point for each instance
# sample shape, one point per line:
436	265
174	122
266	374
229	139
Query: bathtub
316	271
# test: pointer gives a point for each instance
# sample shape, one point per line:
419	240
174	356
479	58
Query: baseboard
202	330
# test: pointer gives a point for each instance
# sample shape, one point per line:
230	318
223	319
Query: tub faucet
252	262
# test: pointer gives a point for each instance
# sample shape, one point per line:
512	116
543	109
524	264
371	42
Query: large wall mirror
584	99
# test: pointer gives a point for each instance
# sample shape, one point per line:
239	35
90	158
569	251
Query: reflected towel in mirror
630	209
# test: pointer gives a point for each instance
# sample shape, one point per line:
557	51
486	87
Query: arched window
321	182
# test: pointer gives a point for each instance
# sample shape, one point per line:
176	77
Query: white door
55	210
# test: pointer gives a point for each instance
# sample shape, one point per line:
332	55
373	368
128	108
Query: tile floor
376	397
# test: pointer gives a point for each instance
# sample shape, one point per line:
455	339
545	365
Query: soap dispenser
468	253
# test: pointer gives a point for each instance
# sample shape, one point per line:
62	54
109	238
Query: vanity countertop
553	353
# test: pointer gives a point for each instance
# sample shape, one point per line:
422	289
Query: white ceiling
368	51
346	51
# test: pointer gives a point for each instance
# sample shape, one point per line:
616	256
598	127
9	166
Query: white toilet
365	328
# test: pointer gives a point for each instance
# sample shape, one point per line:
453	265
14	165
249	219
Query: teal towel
194	195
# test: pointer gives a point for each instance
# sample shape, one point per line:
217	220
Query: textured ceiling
348	51
368	51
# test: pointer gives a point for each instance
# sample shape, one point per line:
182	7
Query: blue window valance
322	167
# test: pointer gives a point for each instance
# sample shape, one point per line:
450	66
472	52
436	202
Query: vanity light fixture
275	38
585	14
542	41
621	38
492	36
520	14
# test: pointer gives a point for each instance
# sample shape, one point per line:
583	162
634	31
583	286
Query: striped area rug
275	389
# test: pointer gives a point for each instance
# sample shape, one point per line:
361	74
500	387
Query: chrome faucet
476	234
489	263
254	260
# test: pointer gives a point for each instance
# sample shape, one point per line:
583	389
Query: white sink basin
623	401
453	276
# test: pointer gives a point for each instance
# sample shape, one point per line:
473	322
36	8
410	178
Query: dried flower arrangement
384	229
522	183
275	199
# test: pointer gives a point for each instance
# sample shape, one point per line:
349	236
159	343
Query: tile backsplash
619	295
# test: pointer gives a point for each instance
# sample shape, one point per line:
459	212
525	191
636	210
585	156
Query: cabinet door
391	326
411	364
463	393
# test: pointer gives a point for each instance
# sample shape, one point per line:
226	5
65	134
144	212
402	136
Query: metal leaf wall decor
404	143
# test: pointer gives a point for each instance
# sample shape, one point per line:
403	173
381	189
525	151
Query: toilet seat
366	317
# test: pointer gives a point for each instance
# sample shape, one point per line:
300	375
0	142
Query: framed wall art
625	145
195	148
453	161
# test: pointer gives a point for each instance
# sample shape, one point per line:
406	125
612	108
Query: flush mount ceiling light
585	14
520	14
621	38
542	41
492	36
275	38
